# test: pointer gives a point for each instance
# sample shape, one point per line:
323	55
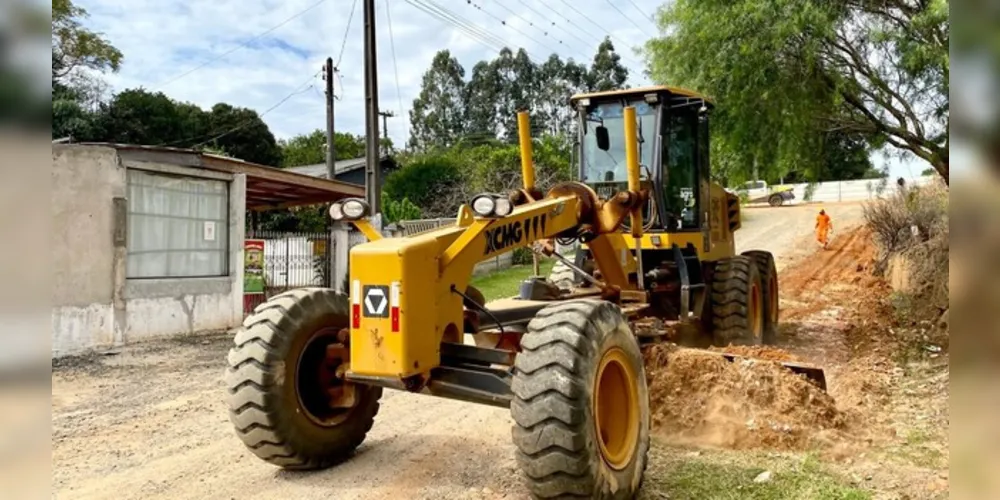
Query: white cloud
162	39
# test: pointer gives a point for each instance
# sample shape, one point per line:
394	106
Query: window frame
223	232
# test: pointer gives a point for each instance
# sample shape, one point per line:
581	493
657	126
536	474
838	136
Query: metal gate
291	260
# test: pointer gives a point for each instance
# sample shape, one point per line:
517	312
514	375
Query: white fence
856	190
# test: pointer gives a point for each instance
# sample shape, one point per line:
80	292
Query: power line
591	21
347	31
612	4
298	90
553	23
530	23
475	32
504	22
240	46
651	18
395	67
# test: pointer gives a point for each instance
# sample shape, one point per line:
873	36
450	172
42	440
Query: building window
178	227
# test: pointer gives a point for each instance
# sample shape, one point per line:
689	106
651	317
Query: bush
423	180
913	222
809	191
395	211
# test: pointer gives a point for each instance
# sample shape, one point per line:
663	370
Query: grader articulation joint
308	370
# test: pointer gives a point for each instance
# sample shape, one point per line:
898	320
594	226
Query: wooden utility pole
372	189
330	153
385	125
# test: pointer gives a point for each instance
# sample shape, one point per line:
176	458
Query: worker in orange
823	228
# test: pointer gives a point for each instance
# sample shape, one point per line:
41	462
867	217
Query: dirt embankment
834	316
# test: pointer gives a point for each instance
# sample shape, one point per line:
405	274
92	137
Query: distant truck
759	192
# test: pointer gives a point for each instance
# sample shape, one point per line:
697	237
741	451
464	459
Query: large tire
769	289
776	200
737	303
275	403
562	276
581	406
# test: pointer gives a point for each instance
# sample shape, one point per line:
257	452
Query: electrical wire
530	22
240	46
591	21
612	4
473	31
298	90
553	23
395	66
651	18
504	22
347	31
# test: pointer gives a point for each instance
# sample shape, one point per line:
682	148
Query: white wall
856	190
94	305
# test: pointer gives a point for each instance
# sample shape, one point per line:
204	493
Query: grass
506	283
679	475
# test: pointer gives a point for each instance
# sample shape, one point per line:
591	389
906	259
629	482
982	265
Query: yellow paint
640	91
632	164
427	266
616	408
366	228
524	135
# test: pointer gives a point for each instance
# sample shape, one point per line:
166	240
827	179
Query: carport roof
267	187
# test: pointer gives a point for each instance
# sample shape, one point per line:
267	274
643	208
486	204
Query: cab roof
661	89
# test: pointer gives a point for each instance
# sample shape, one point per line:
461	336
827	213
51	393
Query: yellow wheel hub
756	313
616	408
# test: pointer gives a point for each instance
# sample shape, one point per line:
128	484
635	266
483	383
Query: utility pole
385	125
330	156
372	189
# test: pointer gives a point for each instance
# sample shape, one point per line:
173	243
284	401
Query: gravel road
149	422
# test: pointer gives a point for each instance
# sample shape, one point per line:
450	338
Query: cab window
680	154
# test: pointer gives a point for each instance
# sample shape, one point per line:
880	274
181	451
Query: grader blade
813	373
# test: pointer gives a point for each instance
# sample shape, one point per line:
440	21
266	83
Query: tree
517	87
423	181
75	47
436	119
559	80
481	102
607	71
136	116
310	149
242	133
786	72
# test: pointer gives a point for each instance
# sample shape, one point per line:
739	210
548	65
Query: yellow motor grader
656	242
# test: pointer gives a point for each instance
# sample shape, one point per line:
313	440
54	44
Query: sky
267	54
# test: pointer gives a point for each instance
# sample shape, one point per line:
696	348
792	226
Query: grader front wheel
581	407
286	396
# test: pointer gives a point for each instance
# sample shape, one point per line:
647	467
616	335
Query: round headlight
354	209
483	205
503	207
337	211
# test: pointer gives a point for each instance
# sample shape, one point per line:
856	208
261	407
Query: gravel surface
150	422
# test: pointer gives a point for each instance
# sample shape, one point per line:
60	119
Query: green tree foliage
437	117
75	47
786	72
450	110
423	179
310	149
607	71
241	132
395	211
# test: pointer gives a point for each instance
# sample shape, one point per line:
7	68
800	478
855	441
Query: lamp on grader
310	365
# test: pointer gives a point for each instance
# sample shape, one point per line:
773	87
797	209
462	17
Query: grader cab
309	367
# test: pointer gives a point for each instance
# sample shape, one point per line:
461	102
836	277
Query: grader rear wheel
737	307
581	406
769	289
286	399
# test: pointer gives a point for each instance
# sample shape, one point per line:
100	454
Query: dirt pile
700	398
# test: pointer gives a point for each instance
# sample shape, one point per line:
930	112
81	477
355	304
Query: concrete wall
94	305
85	181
